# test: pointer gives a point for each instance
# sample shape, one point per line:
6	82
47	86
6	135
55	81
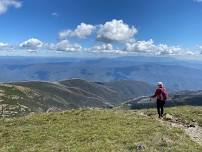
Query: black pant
160	105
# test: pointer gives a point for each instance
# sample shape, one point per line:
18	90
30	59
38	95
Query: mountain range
175	73
21	98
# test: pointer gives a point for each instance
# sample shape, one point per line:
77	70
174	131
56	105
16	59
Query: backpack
164	94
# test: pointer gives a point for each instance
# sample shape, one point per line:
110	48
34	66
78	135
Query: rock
140	147
174	120
53	109
168	117
191	125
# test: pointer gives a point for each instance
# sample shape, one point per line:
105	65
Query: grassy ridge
91	130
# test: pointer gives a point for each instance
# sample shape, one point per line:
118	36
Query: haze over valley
175	73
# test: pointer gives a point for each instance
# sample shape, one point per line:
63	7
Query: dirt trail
194	131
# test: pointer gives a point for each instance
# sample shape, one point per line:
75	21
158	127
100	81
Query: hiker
161	96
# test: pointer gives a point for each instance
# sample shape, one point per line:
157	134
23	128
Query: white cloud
114	51
32	44
82	31
49	46
6	47
112	31
149	47
3	45
102	47
140	46
190	53
164	49
65	34
31	51
5	4
115	30
197	1
105	48
64	45
55	14
200	47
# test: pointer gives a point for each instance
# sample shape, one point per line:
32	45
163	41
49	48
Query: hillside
24	97
130	88
94	130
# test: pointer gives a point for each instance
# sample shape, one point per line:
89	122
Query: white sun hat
159	83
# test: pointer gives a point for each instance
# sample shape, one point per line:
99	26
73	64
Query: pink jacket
160	94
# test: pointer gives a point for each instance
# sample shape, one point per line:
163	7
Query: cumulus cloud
3	45
119	32
111	31
115	30
149	47
164	49
32	44
65	34
5	4
35	45
102	47
140	46
82	31
105	48
50	46
6	47
66	46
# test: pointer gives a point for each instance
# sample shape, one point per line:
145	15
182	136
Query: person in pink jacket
161	96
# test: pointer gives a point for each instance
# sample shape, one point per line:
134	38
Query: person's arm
156	94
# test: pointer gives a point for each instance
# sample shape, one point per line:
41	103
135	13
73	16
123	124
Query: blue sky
171	27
